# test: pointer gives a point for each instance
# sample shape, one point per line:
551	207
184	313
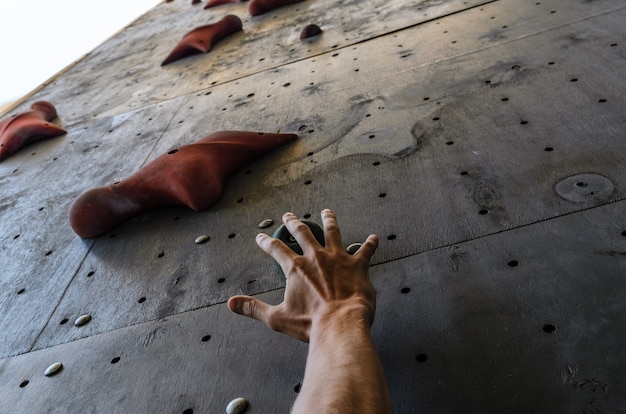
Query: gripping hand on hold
329	302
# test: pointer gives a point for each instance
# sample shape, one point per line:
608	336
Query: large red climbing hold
203	38
257	7
190	175
27	127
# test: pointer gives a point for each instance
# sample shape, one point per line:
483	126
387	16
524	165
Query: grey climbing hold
266	223
353	248
53	369
82	320
583	188
237	406
202	239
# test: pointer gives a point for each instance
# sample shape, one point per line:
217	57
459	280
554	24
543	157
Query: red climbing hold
213	3
202	39
22	129
257	7
191	175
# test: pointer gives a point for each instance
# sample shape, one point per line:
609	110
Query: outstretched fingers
368	248
275	248
332	235
300	231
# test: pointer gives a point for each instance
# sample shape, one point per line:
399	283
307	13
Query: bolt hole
24	383
286	84
372	136
548	149
549	328
574	80
436	118
505	99
513	263
382	195
483	212
206	338
221	280
307	182
188	411
523	122
602	100
232	235
161	255
90	273
464	172
581	184
174	151
49	252
405	290
19	292
391	237
450	143
16	236
421	357
376	163
141	300
115	360
297	388
63	321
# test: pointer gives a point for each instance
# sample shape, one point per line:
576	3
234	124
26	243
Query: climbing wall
484	141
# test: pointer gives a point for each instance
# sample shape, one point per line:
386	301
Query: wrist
343	318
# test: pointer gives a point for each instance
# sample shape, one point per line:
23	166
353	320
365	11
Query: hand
323	283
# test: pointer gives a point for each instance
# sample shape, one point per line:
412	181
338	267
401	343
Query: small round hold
237	406
266	223
82	320
202	239
310	31
353	248
53	369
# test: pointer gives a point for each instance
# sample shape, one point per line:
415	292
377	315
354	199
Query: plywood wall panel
40	252
483	154
495	324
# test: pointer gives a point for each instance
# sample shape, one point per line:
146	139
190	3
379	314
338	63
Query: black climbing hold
283	235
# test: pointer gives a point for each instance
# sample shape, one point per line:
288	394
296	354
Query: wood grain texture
457	166
460	328
40	252
124	74
451	137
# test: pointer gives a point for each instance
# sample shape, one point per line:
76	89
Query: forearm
343	371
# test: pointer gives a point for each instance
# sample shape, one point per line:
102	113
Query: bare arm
329	302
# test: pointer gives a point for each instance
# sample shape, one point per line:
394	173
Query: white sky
38	38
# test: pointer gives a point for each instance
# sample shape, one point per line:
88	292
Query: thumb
250	307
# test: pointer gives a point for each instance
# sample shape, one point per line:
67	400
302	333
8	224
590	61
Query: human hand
322	284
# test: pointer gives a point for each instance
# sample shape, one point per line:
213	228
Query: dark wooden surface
468	135
461	328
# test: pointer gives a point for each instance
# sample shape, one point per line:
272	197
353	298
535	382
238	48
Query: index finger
275	248
301	232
